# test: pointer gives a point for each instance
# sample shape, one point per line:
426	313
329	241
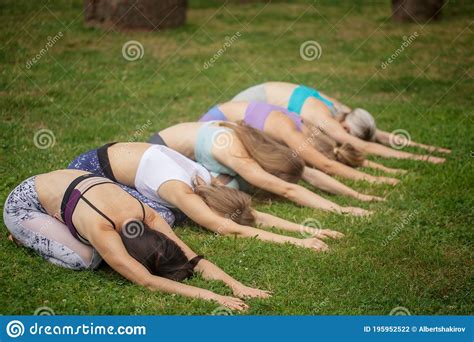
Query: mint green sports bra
207	137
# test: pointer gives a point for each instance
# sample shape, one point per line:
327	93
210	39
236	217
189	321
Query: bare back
234	111
124	160
279	93
182	137
276	124
313	111
110	199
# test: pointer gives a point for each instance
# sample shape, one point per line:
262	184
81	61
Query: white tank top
160	164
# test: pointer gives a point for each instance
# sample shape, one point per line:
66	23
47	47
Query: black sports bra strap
105	182
69	190
109	182
98	211
104	161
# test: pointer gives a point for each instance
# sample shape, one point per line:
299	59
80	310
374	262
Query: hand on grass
314	244
356	211
370	198
387	180
439	149
243	291
443	150
327	233
231	302
396	171
435	160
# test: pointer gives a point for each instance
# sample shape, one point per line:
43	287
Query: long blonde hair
273	157
346	153
227	202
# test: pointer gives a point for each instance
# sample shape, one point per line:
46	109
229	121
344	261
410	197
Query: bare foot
15	241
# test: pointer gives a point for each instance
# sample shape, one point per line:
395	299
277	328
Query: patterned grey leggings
34	228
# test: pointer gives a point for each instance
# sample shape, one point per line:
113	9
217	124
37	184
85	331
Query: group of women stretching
118	202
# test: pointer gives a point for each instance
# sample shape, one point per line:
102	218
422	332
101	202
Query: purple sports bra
74	193
255	116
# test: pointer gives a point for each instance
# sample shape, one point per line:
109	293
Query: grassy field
415	252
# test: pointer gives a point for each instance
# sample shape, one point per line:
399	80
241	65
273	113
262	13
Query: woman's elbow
290	192
146	283
126	272
328	167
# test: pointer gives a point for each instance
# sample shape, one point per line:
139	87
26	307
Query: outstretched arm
376	166
297	142
109	245
335	130
270	221
249	170
194	207
386	137
326	183
208	270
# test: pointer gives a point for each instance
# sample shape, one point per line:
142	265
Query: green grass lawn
87	94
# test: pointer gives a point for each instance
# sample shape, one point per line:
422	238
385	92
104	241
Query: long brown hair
227	202
346	153
273	157
157	252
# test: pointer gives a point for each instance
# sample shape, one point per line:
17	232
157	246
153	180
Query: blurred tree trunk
416	10
148	15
